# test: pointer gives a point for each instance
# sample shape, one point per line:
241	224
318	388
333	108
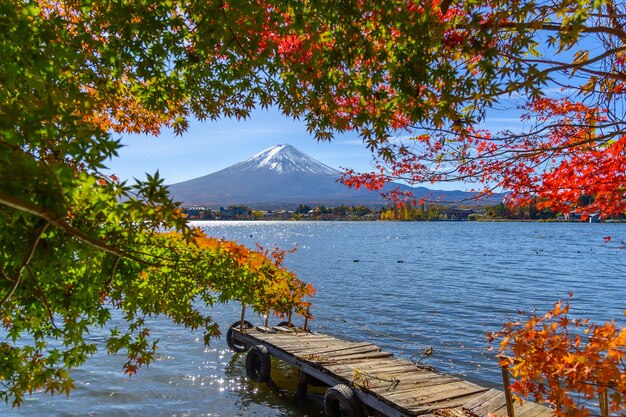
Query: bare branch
556	27
18	274
59	222
580	66
112	277
41	297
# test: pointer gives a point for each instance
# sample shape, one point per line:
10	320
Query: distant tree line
409	212
519	212
302	212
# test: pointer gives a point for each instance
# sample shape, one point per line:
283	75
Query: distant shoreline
409	221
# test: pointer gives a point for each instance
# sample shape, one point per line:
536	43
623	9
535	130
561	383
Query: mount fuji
283	177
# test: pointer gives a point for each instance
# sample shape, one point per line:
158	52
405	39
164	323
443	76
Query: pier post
604	403
306	319
243	317
507	392
301	389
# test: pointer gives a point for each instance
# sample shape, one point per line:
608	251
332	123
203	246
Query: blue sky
210	146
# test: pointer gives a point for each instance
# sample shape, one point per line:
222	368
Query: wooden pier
365	380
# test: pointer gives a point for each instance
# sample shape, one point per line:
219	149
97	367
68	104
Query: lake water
415	285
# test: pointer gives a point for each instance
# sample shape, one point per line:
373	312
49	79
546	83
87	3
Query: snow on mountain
284	159
283	177
280	176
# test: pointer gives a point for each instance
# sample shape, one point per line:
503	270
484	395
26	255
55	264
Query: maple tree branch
555	27
41	297
610	8
580	66
527	134
112	277
18	275
444	6
59	222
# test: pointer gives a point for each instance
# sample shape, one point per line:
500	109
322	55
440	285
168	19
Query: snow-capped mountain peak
283	159
281	177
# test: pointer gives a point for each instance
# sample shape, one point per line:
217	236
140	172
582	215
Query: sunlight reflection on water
415	285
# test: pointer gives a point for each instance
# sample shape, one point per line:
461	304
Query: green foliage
519	212
76	244
73	75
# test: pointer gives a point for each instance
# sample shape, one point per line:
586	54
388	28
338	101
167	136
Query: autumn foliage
275	290
565	362
415	79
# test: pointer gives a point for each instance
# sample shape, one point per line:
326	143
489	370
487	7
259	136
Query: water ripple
415	285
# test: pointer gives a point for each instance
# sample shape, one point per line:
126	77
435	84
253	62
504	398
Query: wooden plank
390	364
285	329
378	365
294	338
413	384
341	350
419	375
317	347
357	357
287	336
446	396
303	336
296	344
433	393
530	409
295	347
298	340
351	373
349	369
393	387
457	403
395	368
442	401
361	356
352	351
454	404
280	334
490	406
489	395
405	378
422	376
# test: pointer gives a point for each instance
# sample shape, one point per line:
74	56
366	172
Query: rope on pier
424	354
360	381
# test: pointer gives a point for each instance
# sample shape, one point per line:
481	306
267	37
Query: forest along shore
430	212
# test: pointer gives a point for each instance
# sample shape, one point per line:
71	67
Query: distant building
234	213
576	217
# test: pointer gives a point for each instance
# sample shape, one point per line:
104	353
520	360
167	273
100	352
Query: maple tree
556	358
74	74
77	244
561	65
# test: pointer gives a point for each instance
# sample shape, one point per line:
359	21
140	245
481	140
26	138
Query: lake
403	286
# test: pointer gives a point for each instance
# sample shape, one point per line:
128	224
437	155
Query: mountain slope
284	177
